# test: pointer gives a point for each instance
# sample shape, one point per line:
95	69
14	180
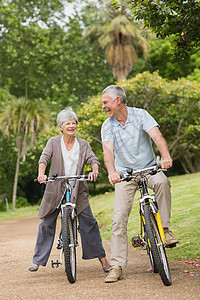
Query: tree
42	58
122	39
176	18
168	66
24	119
174	104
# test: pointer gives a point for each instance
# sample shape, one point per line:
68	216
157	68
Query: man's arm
108	151
161	143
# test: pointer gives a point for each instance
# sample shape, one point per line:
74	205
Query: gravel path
17	241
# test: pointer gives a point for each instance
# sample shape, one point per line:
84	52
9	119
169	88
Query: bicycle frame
68	239
146	198
152	237
55	264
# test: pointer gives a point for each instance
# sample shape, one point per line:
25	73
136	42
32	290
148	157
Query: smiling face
111	106
69	127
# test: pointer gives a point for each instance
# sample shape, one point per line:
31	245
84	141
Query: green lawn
185	216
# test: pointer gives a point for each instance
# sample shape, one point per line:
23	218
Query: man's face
110	106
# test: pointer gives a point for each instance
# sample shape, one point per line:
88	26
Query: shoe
115	274
33	268
170	239
106	269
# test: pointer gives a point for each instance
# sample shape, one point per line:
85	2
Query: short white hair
114	91
66	115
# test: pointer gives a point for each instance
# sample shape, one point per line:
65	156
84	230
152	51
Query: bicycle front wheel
157	248
69	245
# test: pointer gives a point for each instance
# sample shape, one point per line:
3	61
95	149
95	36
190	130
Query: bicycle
68	240
151	237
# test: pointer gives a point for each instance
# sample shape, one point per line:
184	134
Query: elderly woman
68	155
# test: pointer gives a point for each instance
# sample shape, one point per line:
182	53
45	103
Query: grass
19	213
185	216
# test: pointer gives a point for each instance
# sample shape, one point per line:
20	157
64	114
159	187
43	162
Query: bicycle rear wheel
69	245
156	246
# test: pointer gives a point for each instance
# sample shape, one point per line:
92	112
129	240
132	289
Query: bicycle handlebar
151	171
56	177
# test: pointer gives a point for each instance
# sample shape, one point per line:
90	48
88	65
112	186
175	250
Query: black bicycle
67	241
151	237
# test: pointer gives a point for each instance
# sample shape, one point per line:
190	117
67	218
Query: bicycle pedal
136	241
55	264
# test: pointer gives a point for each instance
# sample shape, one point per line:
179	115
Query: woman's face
69	127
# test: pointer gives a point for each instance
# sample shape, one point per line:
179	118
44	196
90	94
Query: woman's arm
95	172
41	172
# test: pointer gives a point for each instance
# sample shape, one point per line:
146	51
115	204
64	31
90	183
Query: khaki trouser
124	194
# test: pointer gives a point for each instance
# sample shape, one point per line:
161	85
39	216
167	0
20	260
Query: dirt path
17	241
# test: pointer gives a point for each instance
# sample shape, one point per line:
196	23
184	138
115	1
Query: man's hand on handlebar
166	163
114	177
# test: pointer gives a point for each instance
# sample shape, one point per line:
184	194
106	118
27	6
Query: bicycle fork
139	241
71	206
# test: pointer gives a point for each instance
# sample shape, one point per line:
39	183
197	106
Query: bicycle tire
69	247
149	252
156	245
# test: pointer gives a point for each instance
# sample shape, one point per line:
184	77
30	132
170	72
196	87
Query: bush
21	202
99	188
3	206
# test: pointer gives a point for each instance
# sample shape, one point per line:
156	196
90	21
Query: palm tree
123	41
24	118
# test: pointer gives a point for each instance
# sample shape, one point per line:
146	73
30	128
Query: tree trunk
16	180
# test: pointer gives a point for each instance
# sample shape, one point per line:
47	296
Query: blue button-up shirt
132	144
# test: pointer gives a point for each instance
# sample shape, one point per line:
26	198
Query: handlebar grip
36	180
125	177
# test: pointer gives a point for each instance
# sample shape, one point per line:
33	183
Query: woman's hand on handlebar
92	176
41	178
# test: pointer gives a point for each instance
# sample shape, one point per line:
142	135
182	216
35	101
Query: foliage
2	206
24	119
174	104
121	37
179	18
46	60
45	11
91	116
21	202
161	60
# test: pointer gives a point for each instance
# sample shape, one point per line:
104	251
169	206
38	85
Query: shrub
21	202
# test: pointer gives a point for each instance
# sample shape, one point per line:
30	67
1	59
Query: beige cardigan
55	191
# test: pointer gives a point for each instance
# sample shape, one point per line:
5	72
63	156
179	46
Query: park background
55	54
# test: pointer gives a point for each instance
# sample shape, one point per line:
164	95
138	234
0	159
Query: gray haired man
126	137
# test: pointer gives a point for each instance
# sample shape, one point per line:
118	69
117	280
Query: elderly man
126	137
